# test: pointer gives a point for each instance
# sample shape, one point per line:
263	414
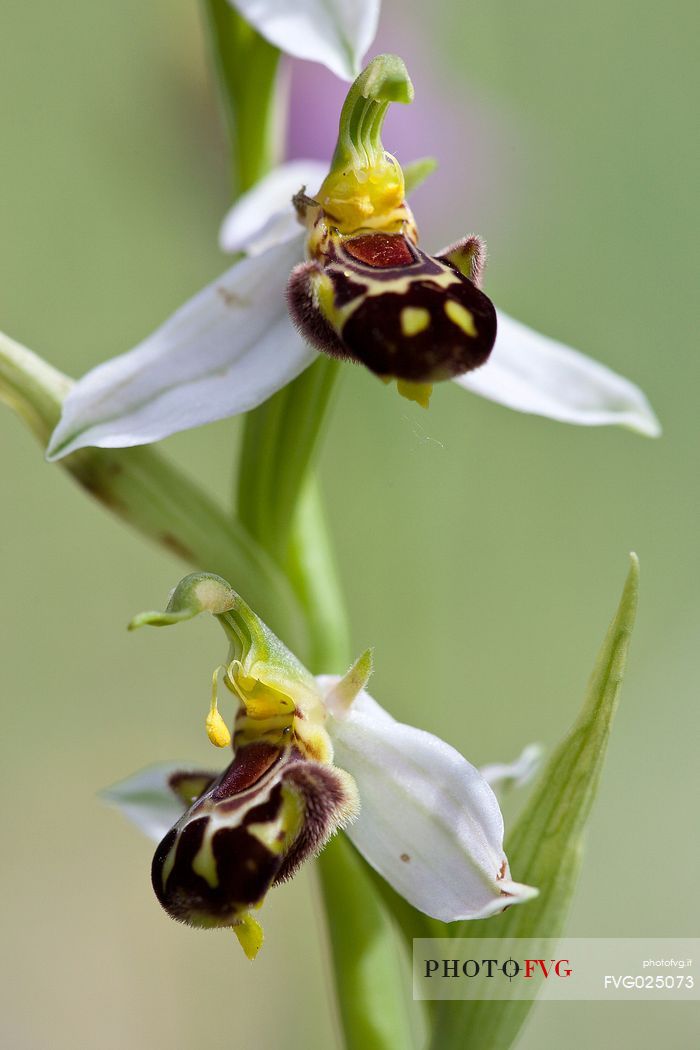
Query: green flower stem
247	69
312	571
279	441
140	486
371	987
369	981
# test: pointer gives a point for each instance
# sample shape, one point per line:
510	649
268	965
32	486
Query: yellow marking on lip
325	297
338	316
204	862
168	864
462	317
414	320
277	835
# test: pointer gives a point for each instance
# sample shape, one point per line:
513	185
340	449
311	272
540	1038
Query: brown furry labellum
246	831
376	298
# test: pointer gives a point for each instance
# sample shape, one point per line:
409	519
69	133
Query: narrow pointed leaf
546	846
223	352
533	373
336	33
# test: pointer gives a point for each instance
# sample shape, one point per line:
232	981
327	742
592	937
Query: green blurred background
482	551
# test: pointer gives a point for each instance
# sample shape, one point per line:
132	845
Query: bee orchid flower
310	756
357	286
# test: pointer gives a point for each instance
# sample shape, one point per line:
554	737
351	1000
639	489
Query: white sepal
224	352
429	823
147	800
264	216
336	33
516	773
533	373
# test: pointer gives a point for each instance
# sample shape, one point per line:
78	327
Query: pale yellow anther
217	730
250	934
419	392
261	701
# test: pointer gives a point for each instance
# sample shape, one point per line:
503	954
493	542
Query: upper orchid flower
428	820
366	291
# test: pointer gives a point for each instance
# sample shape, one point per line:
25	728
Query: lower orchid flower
310	756
360	288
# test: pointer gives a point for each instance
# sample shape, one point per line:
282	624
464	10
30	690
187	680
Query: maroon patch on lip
382	250
249	764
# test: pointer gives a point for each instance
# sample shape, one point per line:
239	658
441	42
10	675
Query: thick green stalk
246	67
371	986
279	441
312	571
372	992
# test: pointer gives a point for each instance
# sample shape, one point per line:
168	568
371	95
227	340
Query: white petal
336	33
264	216
147	800
429	822
225	351
532	373
517	773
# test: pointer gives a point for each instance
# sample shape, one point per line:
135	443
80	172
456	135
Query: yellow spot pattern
462	317
414	320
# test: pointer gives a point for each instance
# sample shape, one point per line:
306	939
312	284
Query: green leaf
151	495
545	848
